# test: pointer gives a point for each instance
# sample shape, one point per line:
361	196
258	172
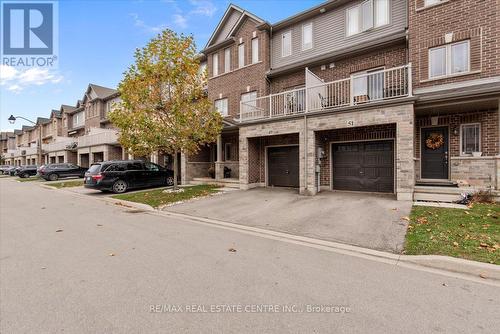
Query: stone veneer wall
481	172
402	115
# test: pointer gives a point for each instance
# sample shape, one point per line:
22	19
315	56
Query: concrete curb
445	265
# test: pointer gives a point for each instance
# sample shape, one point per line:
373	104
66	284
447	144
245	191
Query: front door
283	166
434	153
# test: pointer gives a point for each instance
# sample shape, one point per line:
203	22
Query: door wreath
434	141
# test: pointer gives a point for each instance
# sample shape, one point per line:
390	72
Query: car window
135	166
72	166
94	168
115	168
151	166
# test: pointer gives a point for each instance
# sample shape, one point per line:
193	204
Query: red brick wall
477	21
257	154
389	57
231	85
489	130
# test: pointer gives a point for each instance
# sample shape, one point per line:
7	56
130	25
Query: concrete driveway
368	220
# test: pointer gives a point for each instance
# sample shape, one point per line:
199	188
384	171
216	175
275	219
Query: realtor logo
29	29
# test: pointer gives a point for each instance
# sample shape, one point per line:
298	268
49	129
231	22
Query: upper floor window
227	60
286	44
221	106
432	2
255	50
215	64
449	59
78	119
307	36
249	101
470	138
241	55
367	15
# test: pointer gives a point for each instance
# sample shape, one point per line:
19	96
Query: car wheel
53	177
170	181
25	175
120	186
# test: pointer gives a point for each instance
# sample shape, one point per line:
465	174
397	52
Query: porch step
229	183
449	184
439	194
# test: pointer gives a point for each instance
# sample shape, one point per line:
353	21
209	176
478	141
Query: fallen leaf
111	254
483	275
428	230
59	230
44	267
406	218
444	284
232	250
99	224
455	243
482	244
467	212
43	208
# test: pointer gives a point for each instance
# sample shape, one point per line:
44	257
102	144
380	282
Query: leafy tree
163	104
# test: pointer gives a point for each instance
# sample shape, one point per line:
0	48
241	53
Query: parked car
121	175
54	172
13	170
27	171
5	168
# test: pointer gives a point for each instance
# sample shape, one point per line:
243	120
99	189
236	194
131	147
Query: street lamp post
12	120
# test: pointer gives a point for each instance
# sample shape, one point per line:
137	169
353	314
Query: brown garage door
283	166
365	166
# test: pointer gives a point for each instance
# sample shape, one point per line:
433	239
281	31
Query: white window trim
226	113
312	36
448	60
215	64
227	62
239	55
462	153
283	55
258	51
389	18
425	6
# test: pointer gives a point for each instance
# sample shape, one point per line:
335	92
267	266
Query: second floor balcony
357	90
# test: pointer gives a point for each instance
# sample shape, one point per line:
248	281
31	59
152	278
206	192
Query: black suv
27	171
53	172
120	175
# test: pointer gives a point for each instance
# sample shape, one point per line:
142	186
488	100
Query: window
249	102
255	50
227	60
227	152
215	64
78	119
286	44
449	59
152	167
241	55
307	36
221	106
471	138
431	2
366	15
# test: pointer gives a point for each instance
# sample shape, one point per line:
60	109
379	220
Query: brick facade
389	57
240	80
477	21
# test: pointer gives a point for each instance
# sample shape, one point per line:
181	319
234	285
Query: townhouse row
365	95
79	134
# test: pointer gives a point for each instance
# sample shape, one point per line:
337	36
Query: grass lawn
29	179
470	234
157	197
66	184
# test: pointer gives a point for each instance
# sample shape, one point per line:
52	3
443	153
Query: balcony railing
108	137
358	89
59	145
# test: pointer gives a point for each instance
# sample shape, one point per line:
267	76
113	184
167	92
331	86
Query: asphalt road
110	269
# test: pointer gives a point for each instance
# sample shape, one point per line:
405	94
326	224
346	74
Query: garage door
283	166
365	166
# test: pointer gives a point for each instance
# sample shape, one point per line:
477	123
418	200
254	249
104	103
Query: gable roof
55	113
18	132
229	23
42	120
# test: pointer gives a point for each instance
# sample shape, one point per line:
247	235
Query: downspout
305	133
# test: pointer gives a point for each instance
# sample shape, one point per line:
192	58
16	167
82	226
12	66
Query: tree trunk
175	170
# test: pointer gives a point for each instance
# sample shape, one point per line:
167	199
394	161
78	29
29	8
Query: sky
97	39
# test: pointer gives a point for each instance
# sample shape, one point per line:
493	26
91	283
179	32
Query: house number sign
350	123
